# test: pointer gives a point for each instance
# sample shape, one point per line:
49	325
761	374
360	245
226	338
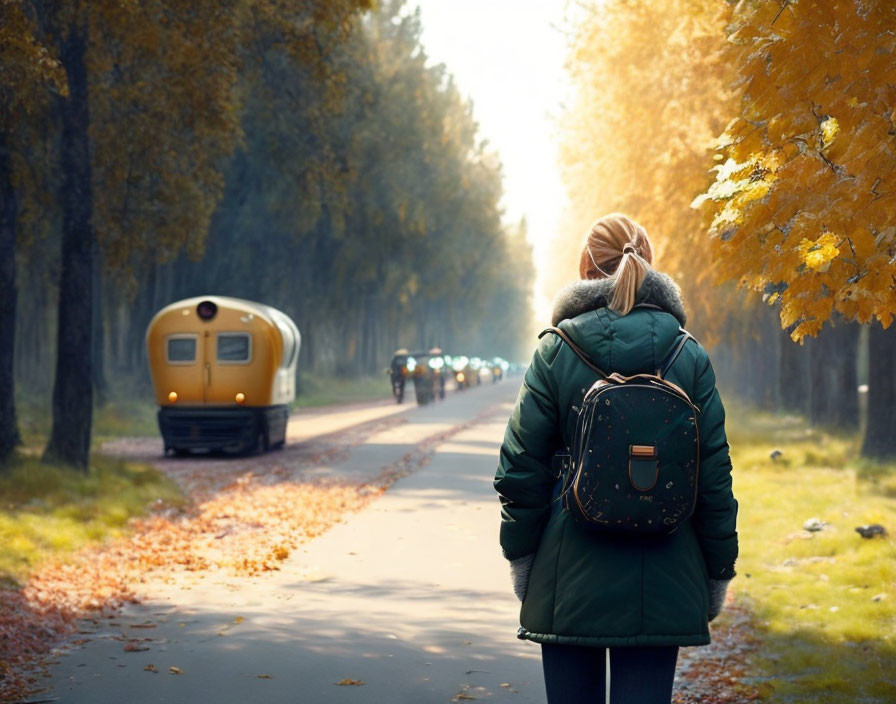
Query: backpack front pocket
643	467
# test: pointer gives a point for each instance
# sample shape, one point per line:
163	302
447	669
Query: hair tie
629	248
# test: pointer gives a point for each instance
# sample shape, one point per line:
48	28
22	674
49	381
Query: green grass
824	636
130	409
126	417
127	411
48	512
327	390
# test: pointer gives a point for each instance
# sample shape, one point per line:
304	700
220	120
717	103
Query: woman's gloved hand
718	588
519	573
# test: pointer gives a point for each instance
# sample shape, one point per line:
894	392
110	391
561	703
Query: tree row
302	153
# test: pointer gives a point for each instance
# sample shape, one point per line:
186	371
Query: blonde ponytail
617	247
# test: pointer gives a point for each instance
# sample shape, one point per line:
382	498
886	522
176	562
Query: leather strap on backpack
667	363
665	366
575	348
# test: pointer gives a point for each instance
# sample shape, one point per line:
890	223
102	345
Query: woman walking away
584	588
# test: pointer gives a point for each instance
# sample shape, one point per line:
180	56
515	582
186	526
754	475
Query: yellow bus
224	373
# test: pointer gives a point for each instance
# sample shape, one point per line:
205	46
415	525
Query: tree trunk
98	333
113	315
880	429
765	371
33	356
834	398
73	388
9	433
793	374
141	312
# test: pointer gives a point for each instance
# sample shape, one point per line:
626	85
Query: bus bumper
228	429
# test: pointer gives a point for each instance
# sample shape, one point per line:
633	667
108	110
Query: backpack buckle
643	451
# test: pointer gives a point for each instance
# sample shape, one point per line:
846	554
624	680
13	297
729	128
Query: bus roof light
206	310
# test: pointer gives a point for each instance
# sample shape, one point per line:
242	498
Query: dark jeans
575	674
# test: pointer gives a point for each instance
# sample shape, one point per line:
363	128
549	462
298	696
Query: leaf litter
245	521
245	517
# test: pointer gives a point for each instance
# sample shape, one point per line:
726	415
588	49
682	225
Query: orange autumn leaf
134	647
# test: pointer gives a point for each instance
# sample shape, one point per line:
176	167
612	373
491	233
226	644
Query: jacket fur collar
579	297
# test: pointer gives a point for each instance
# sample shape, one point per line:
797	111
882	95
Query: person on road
582	591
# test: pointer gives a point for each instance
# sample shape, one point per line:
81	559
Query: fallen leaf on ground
260	507
134	648
265	677
238	619
150	668
175	670
348	682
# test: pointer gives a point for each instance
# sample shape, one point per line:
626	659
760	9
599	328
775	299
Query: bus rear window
181	350
234	348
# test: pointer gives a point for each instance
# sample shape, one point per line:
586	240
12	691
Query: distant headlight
412	364
436	363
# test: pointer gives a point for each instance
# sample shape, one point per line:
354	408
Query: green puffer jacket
599	589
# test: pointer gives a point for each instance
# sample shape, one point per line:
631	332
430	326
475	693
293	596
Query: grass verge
126	412
824	603
48	512
328	390
130	410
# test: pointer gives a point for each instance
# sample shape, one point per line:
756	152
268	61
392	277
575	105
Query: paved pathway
409	597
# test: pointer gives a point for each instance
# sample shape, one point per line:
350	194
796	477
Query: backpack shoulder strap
666	365
575	348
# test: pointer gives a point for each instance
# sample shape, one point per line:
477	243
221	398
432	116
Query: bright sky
507	56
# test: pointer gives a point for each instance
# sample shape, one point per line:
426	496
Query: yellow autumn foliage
651	96
814	139
820	254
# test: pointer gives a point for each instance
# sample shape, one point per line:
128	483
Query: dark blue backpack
634	462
